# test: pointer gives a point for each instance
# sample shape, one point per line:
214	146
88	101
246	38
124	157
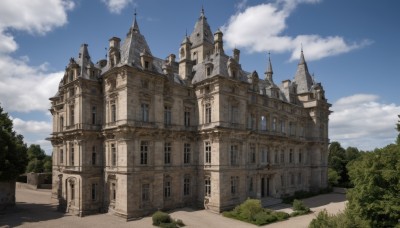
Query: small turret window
146	65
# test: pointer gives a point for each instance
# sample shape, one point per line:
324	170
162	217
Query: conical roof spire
269	72
135	26
303	78
201	32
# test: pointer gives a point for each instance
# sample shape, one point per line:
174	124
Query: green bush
160	217
282	215
251	211
168	225
179	222
298	205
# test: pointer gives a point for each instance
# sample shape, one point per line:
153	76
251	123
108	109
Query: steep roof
134	44
201	32
303	78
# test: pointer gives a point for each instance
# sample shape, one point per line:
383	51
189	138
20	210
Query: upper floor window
167	115
167	153
263	123
252	154
113	155
187	117
144	152
94	155
283	126
282	157
186	153
274	124
291	156
61	123
72	156
94	111
61	156
234	114
145	112
71	115
264	155
234	155
207	152
208	113
113	112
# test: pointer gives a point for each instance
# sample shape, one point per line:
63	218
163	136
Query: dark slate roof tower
134	44
303	78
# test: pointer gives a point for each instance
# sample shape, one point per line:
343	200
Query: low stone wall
20	185
7	194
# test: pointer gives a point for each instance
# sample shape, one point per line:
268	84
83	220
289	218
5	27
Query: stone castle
134	133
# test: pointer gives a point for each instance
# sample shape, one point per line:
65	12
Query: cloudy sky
352	48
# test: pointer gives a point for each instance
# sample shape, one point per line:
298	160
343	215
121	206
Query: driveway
35	209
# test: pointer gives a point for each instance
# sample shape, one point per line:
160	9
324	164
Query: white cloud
261	28
116	6
363	121
33	16
26	88
34	132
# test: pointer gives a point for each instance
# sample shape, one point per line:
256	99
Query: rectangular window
61	123
113	113
264	155
234	185
94	115
145	112
167	153
234	155
71	92
167	189
282	181
234	114
251	184
72	115
208	113
282	126
282	157
291	156
299	178
208	152
186	153
263	123
167	115
207	187
187	118
186	186
291	179
113	155
274	124
113	192
94	192
94	155
145	192
208	71
143	152
146	65
72	186
72	156
61	156
252	154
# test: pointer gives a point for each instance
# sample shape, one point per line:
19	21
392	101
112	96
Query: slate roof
303	78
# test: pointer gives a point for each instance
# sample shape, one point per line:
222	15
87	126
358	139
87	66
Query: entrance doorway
265	187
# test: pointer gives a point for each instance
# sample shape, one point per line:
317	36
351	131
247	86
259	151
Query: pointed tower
269	72
303	78
185	62
201	39
134	45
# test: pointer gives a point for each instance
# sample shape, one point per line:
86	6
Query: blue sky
352	47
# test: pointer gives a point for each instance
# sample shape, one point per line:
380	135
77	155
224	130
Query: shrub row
164	220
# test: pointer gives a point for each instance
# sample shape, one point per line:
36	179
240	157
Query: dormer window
146	65
71	75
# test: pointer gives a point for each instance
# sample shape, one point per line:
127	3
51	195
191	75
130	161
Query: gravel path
35	209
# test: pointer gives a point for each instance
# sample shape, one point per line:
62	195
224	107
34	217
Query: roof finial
186	33
202	11
301	45
135	26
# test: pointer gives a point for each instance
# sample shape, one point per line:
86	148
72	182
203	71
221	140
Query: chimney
236	55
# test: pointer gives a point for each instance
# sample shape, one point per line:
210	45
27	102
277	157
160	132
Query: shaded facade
134	133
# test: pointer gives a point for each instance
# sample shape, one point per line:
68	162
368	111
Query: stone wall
7	194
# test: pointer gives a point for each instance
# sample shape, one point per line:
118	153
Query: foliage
337	160
333	177
39	162
298	205
341	220
251	211
13	158
164	220
376	193
304	194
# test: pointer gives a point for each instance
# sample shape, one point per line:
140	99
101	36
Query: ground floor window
145	192
207	186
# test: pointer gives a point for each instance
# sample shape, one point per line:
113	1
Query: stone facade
7	194
134	133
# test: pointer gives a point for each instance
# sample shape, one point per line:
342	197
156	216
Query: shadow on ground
29	213
316	201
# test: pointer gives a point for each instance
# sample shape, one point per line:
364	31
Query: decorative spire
135	26
202	12
269	71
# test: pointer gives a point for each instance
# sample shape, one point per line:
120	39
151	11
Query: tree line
16	157
373	179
